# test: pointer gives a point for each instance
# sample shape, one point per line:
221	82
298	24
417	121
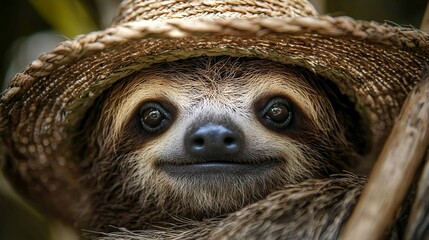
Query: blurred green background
30	27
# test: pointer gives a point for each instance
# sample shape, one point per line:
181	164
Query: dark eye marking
277	113
154	117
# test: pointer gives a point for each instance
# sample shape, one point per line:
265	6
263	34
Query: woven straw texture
375	65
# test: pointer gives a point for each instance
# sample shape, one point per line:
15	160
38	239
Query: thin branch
418	221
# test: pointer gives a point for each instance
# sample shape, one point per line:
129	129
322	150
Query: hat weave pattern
131	11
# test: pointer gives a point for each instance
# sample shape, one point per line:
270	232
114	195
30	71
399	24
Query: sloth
222	147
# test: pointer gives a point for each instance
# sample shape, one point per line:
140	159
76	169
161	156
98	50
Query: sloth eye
154	117
277	113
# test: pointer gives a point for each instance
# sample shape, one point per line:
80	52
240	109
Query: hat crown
138	10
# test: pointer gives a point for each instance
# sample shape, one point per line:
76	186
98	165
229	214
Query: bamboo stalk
394	170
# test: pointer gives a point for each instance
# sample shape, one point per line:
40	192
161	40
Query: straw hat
375	65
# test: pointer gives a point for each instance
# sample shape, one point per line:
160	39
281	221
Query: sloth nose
214	141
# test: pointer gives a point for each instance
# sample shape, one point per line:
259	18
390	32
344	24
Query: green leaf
68	17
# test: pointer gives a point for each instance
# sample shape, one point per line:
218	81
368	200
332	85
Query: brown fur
297	211
129	190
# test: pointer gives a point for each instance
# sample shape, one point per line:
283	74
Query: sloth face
209	135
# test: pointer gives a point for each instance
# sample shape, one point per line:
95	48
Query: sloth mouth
219	167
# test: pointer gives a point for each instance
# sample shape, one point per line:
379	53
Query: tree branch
394	170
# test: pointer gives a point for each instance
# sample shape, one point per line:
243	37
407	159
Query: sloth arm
313	209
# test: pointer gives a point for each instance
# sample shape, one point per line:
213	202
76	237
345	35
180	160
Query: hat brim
374	65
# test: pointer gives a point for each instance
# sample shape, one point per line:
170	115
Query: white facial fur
215	89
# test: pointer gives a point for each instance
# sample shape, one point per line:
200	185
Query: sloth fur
300	198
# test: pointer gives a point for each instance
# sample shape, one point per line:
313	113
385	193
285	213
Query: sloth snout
214	141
